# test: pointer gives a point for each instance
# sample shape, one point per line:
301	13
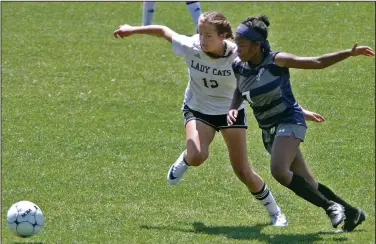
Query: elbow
167	33
323	66
165	30
319	65
158	30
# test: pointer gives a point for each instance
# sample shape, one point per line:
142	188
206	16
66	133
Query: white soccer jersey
211	81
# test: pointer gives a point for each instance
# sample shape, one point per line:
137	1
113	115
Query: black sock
305	190
333	197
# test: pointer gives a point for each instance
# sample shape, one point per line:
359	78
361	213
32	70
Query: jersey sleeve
181	44
236	66
235	69
273	54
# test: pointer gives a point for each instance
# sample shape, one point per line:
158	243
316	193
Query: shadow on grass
29	242
251	233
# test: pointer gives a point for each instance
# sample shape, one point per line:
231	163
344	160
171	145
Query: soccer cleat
279	219
176	171
353	220
336	213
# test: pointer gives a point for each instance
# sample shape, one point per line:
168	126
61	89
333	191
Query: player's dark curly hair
220	22
258	23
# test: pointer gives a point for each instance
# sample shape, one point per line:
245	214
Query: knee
243	172
197	158
281	175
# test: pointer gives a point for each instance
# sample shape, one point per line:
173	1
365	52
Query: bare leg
198	138
299	167
148	10
235	139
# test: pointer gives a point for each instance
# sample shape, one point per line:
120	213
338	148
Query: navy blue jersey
268	90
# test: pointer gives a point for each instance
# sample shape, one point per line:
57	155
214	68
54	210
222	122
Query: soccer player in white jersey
208	96
148	10
264	81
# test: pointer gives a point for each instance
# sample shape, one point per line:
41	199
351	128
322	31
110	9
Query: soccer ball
25	219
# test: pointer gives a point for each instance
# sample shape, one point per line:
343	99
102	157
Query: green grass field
91	124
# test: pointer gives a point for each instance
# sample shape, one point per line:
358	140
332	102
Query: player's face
209	38
246	49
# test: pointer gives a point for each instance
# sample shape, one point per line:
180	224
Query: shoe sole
170	182
284	225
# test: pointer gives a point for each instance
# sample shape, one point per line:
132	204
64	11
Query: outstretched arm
291	61
152	30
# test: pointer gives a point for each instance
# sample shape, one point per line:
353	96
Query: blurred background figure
148	10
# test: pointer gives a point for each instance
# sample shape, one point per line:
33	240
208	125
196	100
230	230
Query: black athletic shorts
218	122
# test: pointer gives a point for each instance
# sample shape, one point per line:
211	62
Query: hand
312	116
123	31
361	50
231	116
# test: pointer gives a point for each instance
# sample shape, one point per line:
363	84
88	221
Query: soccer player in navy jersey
263	79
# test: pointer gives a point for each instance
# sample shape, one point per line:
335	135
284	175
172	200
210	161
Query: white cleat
176	171
279	219
336	214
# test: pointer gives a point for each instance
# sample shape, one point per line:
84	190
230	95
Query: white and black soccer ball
25	219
